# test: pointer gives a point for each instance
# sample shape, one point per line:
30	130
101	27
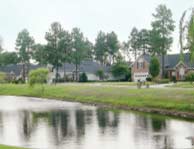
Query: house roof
170	61
86	66
16	68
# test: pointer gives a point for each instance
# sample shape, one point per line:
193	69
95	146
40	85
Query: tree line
63	46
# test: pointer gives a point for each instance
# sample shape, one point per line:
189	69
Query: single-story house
16	69
173	66
68	71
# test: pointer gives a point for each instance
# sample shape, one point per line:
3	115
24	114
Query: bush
190	77
154	67
2	77
38	76
18	81
120	70
174	79
100	74
83	77
149	79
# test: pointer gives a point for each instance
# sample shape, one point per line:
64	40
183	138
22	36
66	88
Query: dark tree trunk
162	65
56	75
23	72
27	69
135	54
76	72
64	73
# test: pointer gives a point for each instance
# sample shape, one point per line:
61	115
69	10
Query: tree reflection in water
107	119
77	126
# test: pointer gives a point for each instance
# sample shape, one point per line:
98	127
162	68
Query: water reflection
107	120
75	126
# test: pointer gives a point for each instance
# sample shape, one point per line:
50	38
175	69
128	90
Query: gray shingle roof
86	66
16	69
172	60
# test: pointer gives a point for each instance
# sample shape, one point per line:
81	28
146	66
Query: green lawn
9	147
105	83
183	85
167	98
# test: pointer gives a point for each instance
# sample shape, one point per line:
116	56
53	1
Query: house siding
140	72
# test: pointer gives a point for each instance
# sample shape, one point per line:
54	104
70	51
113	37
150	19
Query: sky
90	16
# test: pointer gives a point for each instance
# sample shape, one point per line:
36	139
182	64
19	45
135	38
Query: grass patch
167	98
9	147
182	85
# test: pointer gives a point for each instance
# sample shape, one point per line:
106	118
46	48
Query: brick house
173	67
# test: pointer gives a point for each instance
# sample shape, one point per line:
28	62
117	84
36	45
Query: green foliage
2	77
101	49
7	58
24	43
134	42
38	76
190	77
162	28
10	147
54	53
144	41
139	42
80	48
39	54
106	45
113	45
120	70
166	99
1	44
100	73
182	28
154	67
191	36
83	77
128	75
149	79
174	79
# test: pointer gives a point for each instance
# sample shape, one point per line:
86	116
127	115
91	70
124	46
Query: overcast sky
89	15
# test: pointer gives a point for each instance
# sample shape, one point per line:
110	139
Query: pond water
51	124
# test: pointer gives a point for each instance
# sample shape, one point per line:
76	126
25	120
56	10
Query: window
140	65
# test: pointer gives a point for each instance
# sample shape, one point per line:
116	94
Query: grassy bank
170	99
183	85
9	147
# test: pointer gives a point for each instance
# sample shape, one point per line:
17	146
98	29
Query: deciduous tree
134	43
191	36
24	43
54	50
163	26
7	58
154	67
113	46
101	49
80	49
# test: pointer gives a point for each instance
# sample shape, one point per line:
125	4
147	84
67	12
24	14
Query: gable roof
171	60
16	68
86	66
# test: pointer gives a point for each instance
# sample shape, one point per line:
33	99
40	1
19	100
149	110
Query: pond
52	124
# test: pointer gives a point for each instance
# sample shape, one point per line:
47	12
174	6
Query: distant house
173	66
16	69
89	67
